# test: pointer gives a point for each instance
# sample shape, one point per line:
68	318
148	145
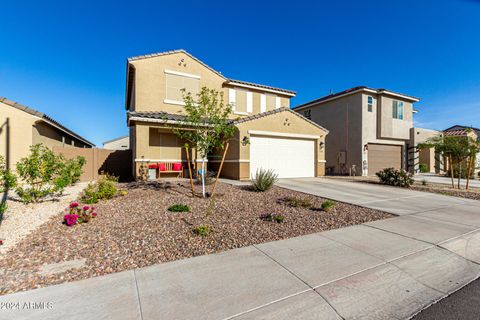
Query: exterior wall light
245	141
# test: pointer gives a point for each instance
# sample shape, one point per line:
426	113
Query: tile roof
165	117
44	117
232	81
352	90
455	132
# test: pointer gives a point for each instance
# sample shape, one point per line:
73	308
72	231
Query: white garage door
289	158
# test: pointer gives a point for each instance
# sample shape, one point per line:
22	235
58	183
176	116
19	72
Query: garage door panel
381	156
289	158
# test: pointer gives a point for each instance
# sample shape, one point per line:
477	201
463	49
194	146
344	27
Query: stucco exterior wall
391	128
419	135
149	87
343	119
50	136
15	133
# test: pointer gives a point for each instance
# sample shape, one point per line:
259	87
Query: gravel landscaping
137	230
21	219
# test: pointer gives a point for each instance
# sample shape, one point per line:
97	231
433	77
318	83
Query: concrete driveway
386	269
389	199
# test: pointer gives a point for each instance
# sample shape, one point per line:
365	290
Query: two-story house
269	135
369	129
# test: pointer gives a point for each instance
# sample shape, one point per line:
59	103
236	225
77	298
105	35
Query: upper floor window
241	101
176	81
273	102
397	109
308	114
370	103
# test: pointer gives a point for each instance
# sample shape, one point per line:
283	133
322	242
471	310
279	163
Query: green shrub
423	167
328	205
44	173
278	218
105	188
264	179
7	178
394	177
203	230
297	202
179	208
3	208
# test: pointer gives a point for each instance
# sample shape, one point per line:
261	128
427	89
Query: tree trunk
203	177
459	175
451	171
470	164
190	170
220	169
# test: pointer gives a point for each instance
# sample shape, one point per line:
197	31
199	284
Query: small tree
44	173
207	124
458	149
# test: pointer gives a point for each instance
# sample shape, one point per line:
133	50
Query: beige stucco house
120	143
369	129
21	127
269	135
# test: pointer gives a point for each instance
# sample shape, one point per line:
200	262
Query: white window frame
263	102
398	110
182	74
370	105
278	102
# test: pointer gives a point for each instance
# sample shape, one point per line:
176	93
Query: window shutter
232	98
249	102
277	102
263	102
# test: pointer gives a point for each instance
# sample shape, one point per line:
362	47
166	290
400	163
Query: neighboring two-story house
269	135
369	129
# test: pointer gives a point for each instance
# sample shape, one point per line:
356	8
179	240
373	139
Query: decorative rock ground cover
137	230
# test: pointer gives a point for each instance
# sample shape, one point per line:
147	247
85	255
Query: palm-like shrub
394	177
264	179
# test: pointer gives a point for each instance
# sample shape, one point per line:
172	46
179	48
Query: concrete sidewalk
388	269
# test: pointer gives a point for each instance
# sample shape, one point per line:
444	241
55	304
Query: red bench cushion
177	167
161	167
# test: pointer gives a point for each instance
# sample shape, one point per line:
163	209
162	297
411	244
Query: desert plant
298	202
264	179
179	208
394	177
44	173
423	167
7	178
424	182
276	217
203	230
105	188
328	205
79	214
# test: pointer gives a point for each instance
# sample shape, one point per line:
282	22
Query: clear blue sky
67	58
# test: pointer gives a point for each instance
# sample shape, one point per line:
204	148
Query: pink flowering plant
79	214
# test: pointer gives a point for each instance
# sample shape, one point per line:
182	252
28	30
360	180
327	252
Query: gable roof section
163	117
458	130
45	118
353	91
227	80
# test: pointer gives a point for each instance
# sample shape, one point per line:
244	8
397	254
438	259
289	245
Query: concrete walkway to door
387	269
